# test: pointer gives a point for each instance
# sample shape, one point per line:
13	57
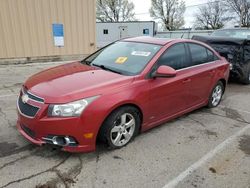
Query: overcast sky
142	7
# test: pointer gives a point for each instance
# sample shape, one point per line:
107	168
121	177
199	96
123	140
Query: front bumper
36	129
39	132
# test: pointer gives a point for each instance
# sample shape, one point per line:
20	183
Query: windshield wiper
106	68
85	62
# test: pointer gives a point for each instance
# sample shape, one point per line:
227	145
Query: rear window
198	54
201	54
211	56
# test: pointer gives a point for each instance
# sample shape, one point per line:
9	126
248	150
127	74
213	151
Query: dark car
234	45
129	86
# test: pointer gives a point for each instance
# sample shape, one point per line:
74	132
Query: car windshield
127	58
234	33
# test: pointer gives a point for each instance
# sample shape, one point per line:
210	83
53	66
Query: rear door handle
186	81
212	72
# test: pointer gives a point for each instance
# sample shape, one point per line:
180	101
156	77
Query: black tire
211	102
114	121
246	74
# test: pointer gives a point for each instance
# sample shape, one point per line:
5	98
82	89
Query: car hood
74	81
220	40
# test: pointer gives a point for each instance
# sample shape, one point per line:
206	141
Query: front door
168	96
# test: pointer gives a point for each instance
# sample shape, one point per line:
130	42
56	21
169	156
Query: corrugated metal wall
26	27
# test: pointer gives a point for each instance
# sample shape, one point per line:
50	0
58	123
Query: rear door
201	73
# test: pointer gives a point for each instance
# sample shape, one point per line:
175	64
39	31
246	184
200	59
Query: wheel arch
133	105
224	82
120	106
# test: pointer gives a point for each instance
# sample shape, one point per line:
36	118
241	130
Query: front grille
32	96
28	131
27	109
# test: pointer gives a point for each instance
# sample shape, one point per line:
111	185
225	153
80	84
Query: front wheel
120	127
216	95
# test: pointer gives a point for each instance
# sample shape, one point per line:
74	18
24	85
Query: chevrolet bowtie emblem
25	98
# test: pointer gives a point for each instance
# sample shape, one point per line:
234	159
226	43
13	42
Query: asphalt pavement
205	148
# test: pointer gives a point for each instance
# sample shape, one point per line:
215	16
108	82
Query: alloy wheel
217	95
123	130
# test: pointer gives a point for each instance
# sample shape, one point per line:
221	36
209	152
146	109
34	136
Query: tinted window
174	57
201	54
211	56
198	54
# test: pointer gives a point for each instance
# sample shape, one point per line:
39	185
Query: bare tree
242	10
170	12
211	15
114	10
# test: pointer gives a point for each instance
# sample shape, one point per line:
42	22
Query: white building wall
131	29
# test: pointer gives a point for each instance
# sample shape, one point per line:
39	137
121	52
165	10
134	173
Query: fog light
60	140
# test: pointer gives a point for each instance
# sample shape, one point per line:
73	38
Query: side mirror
164	72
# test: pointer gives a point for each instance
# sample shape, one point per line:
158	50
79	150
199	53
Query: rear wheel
216	95
246	74
120	127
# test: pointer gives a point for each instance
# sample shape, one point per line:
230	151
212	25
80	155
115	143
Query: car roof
150	40
160	41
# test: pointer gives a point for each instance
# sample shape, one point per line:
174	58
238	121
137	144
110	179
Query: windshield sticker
141	53
121	60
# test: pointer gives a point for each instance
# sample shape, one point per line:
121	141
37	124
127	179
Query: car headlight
72	109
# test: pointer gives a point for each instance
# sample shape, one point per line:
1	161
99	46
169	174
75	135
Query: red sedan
127	87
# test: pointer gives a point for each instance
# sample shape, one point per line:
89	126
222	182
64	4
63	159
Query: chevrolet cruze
124	88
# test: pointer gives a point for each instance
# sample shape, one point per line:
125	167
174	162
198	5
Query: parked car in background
129	86
234	45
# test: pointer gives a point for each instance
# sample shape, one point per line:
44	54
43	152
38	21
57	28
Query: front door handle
186	81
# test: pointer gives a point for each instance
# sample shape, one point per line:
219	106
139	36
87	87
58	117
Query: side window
145	31
105	31
198	53
174	57
211	56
